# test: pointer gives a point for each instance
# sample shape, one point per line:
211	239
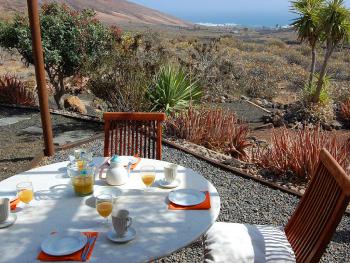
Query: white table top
160	231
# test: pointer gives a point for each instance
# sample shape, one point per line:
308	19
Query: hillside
109	11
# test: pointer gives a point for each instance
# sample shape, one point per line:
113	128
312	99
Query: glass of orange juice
104	206
148	175
25	192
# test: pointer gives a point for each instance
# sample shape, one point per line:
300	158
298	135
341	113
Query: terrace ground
242	201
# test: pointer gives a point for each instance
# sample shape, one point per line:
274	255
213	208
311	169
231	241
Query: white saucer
129	235
9	221
165	184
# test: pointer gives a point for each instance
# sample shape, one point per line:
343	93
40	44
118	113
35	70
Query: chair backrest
133	133
320	210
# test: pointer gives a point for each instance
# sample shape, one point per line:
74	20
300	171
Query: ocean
250	13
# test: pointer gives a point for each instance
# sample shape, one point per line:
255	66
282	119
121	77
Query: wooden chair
313	223
133	133
319	212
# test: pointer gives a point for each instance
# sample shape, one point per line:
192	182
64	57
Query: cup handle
100	174
129	222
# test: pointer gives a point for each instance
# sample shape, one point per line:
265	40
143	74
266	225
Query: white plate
115	192
129	235
9	221
60	244
163	183
186	197
125	160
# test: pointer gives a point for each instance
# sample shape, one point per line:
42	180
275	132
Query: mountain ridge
111	12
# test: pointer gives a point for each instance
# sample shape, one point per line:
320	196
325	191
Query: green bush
173	91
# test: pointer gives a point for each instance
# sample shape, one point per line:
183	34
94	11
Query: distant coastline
241	26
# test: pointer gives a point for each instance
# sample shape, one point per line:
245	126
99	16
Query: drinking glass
148	175
104	206
25	192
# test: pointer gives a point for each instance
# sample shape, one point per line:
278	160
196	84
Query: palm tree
307	26
335	24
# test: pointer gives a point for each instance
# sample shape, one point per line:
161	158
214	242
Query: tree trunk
313	66
59	92
316	96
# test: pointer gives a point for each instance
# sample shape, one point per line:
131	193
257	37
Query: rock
336	125
74	104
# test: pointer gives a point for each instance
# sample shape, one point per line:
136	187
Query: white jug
117	174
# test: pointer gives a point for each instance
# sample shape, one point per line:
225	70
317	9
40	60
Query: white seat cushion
239	243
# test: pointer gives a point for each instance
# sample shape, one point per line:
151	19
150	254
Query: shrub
309	91
122	77
297	152
14	91
213	128
173	91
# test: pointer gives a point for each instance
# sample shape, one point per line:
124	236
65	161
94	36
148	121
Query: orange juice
26	195
83	185
104	208
148	179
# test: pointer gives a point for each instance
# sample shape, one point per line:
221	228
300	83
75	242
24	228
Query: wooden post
33	14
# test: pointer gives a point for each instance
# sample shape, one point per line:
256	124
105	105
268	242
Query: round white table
160	231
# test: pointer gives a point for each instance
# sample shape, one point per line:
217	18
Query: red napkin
76	256
14	203
202	206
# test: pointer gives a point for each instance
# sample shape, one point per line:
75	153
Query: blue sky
245	12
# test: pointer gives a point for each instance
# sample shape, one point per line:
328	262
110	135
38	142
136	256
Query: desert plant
173	91
213	128
345	111
69	38
14	91
335	24
308	27
297	152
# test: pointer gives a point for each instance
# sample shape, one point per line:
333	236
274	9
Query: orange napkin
76	256
202	206
133	166
14	203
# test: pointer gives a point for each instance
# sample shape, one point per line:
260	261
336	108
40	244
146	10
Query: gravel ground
17	148
243	201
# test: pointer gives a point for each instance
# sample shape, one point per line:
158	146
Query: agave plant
173	91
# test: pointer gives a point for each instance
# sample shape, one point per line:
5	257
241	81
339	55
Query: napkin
76	256
133	166
14	203
205	205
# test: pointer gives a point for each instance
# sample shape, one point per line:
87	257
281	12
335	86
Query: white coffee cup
4	209
170	173
121	222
